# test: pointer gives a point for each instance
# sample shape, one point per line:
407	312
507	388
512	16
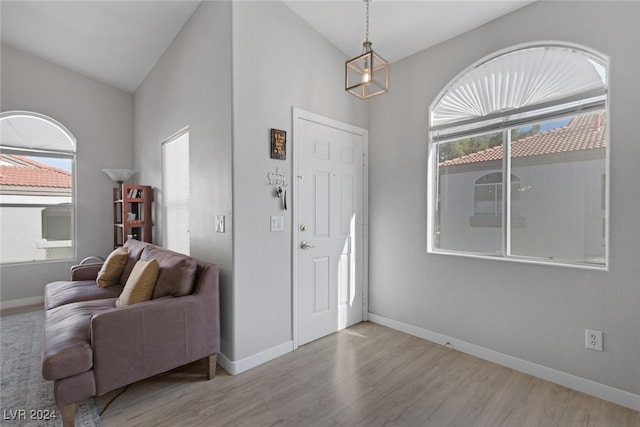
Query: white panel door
329	230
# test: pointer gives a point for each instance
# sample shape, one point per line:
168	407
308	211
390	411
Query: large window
523	133
36	189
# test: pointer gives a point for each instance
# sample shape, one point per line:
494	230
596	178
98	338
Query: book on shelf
134	193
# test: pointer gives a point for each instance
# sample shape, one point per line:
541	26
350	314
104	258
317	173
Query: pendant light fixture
367	75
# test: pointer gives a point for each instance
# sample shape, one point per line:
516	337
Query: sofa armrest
85	271
135	342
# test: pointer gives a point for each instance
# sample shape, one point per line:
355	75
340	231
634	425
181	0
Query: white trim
22	302
521	259
299	114
365	228
237	367
176	135
601	391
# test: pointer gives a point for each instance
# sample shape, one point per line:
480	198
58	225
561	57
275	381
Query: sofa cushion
139	286
113	267
66	348
135	250
177	272
65	292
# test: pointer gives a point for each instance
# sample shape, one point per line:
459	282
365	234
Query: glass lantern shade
367	75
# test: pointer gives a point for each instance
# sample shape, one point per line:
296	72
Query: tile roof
584	132
21	171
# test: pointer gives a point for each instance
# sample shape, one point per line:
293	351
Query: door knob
305	245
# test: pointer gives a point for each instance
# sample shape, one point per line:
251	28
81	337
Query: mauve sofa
91	347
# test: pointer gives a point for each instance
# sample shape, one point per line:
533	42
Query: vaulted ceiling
119	42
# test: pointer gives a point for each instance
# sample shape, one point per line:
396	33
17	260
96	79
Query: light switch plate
219	223
277	223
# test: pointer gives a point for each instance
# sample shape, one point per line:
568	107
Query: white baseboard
23	302
237	367
601	391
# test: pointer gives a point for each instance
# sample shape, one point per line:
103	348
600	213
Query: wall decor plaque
278	144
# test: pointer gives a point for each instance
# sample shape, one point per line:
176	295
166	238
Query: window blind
176	196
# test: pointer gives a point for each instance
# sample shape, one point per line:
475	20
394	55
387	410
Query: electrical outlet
593	339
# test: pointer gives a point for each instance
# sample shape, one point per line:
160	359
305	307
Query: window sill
522	260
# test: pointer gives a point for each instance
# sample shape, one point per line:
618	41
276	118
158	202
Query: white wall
279	62
101	119
530	312
191	86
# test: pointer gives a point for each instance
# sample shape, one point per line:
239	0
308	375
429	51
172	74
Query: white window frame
68	151
170	171
508	120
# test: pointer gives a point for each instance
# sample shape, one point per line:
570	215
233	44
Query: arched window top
542	78
34	131
494	178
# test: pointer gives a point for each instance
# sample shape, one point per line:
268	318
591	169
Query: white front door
329	225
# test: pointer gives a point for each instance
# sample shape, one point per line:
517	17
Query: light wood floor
367	375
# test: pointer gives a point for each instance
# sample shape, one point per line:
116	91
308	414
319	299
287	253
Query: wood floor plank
367	375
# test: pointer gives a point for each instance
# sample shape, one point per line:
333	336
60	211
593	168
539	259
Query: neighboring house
34	193
548	173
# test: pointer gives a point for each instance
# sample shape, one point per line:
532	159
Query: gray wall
191	86
101	119
536	313
279	62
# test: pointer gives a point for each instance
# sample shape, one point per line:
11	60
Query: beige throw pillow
140	284
113	267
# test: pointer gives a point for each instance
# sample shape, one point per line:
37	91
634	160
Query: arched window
538	113
487	195
37	163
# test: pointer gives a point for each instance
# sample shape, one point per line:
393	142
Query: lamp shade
119	175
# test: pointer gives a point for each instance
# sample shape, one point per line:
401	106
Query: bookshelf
132	213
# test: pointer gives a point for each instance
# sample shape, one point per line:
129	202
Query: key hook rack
277	178
279	181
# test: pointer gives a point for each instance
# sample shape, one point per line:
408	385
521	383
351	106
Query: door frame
297	115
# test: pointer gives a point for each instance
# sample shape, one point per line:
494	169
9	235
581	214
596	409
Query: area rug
26	399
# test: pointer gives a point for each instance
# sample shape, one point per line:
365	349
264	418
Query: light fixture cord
367	15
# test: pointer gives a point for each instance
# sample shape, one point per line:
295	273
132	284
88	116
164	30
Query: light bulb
366	77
